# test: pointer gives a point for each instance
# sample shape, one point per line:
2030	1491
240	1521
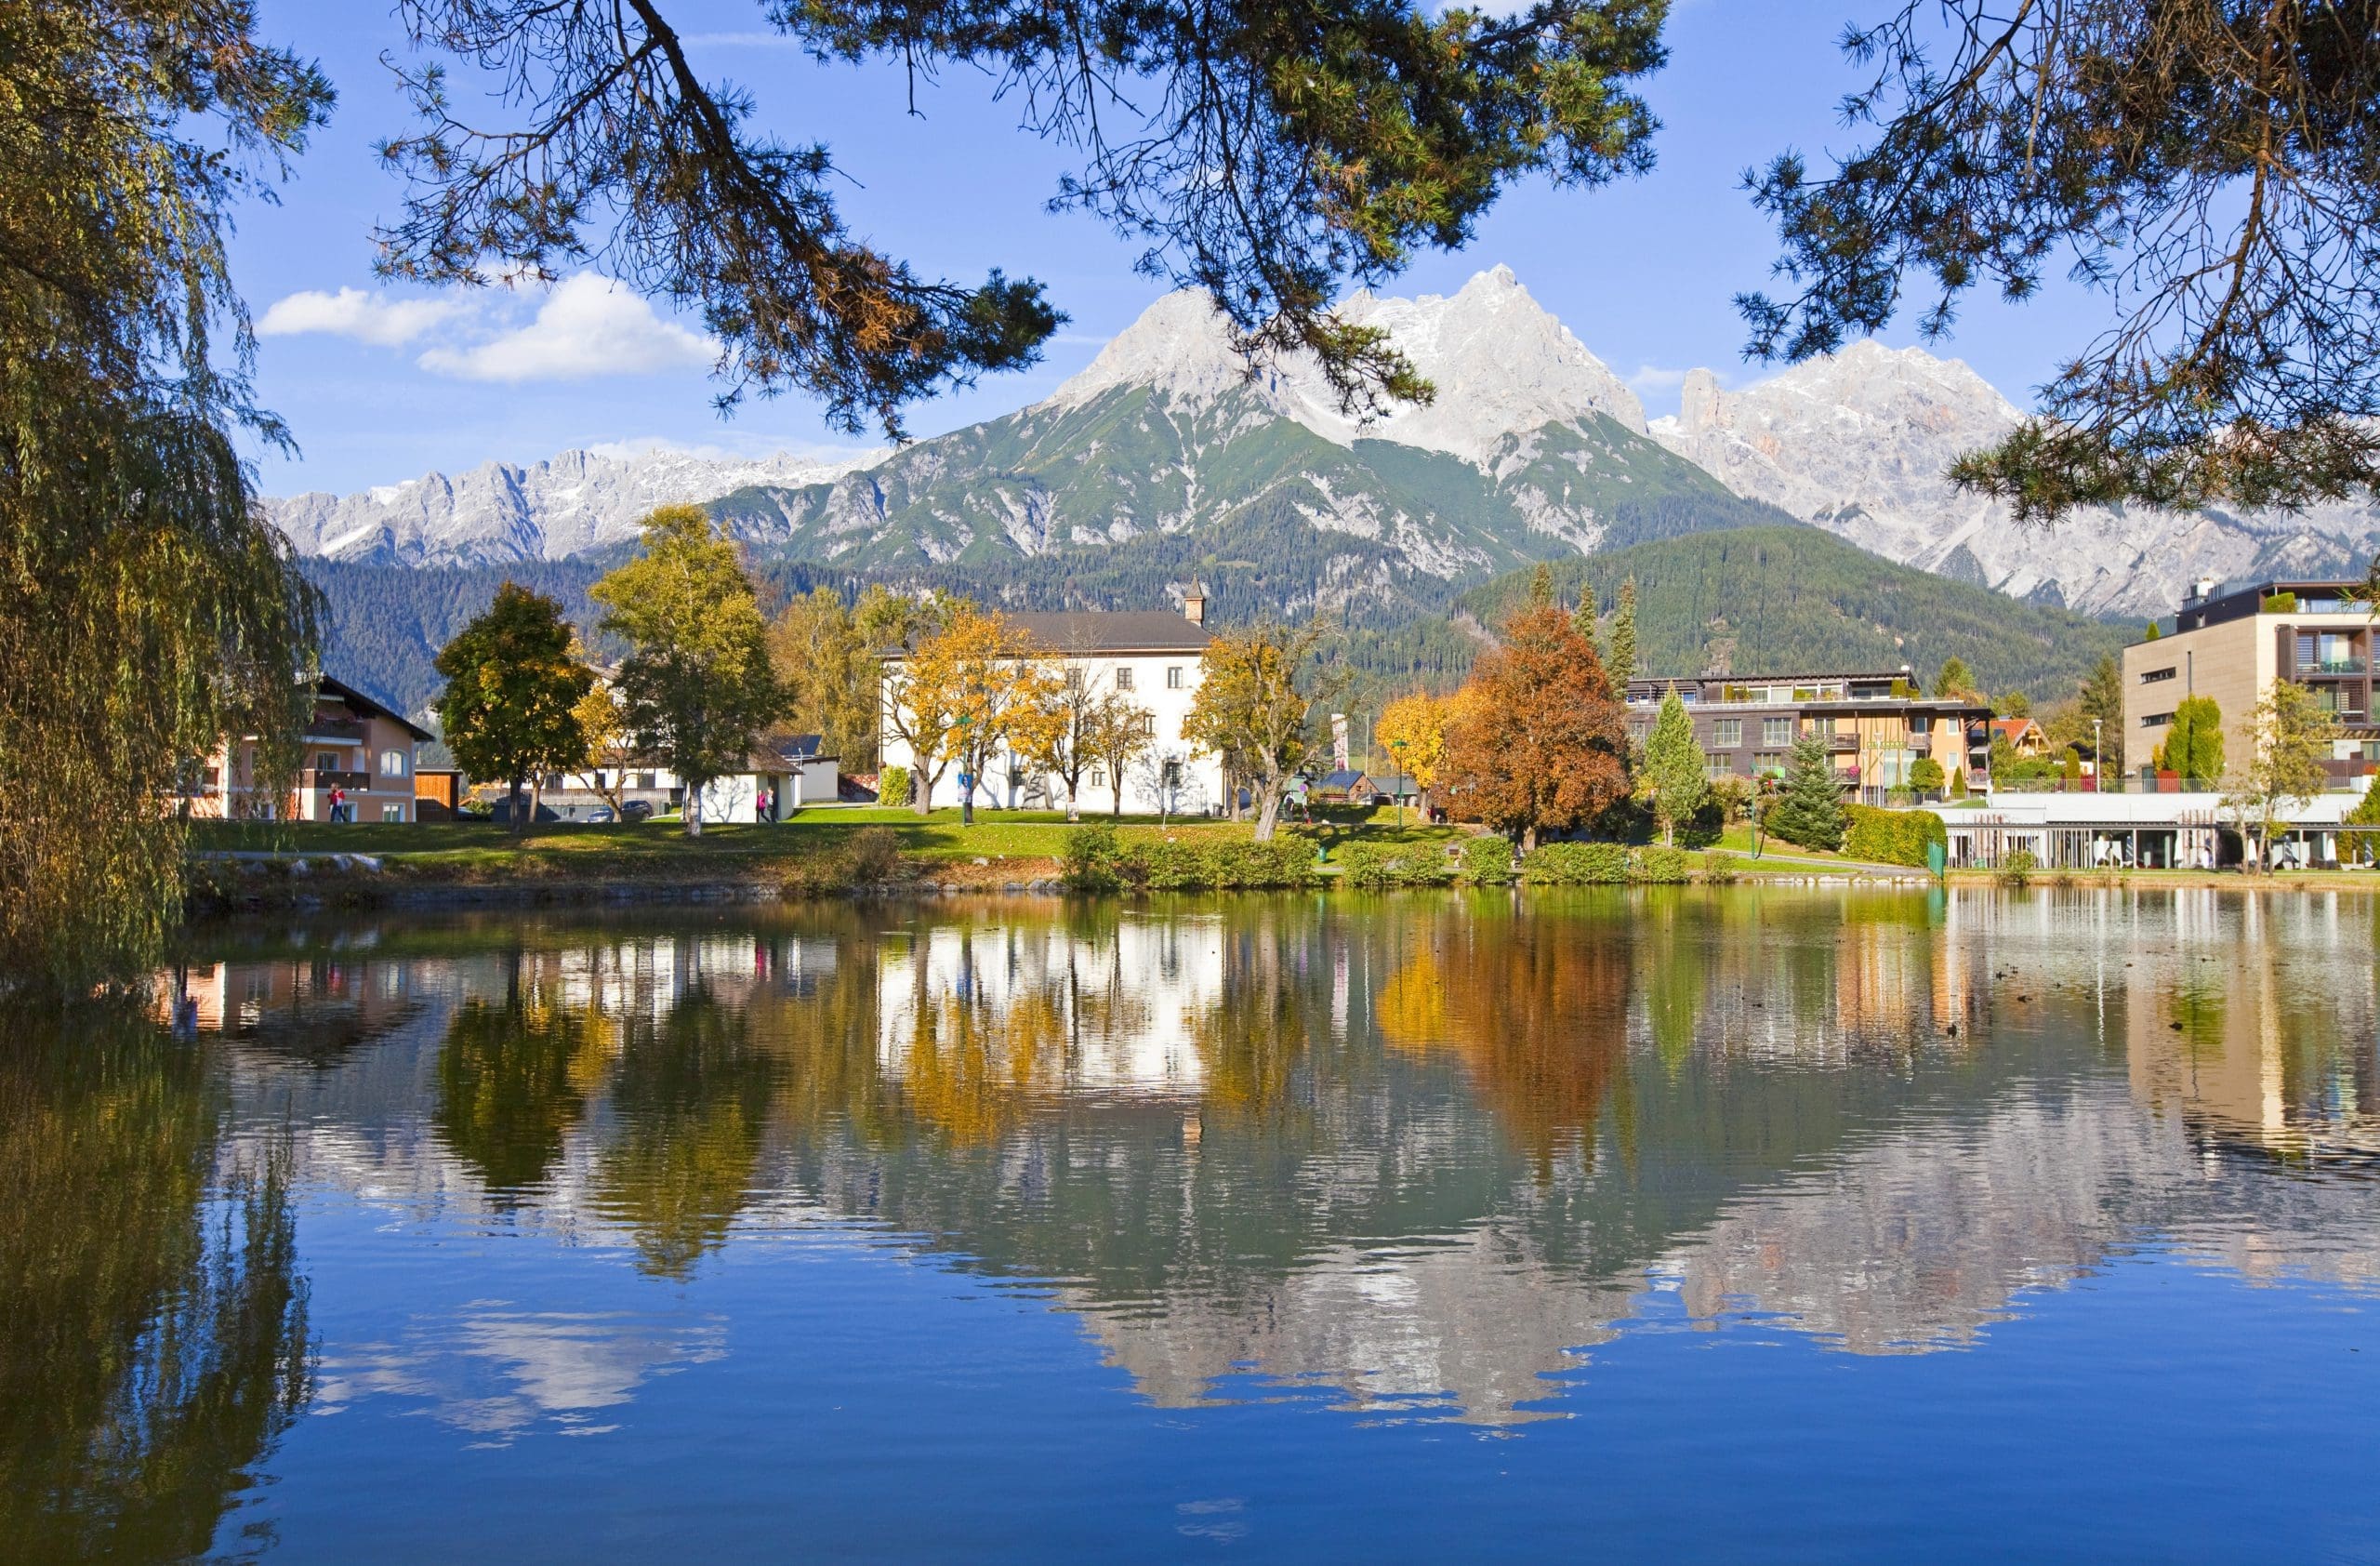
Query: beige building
356	750
2231	646
1877	726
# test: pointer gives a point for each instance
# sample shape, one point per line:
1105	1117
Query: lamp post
2098	760
1396	749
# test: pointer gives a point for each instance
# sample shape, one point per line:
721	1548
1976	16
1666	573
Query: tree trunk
921	791
1268	813
1528	840
1074	801
691	812
514	811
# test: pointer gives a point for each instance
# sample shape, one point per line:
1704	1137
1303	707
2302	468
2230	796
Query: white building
790	770
2152	831
1152	657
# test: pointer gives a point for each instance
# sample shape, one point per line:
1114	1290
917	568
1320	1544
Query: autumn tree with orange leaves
1539	743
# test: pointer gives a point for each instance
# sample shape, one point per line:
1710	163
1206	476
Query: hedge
1604	864
1892	837
893	786
1379	865
1488	859
1095	859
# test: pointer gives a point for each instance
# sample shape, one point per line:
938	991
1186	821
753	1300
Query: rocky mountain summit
1858	443
567	505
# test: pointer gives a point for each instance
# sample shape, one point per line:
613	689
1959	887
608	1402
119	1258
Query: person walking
338	804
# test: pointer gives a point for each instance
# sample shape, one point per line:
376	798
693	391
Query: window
393	813
644	780
1777	730
1718	767
1728	732
2305	653
326	762
1099	778
1769	760
2150	676
1822	728
1174	677
1173	775
2156	719
392	764
1124	679
1149	725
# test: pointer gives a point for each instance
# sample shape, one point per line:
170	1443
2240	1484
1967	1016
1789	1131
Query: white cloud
1652	377
351	312
588	326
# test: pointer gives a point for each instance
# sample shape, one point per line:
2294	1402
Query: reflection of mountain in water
1427	1152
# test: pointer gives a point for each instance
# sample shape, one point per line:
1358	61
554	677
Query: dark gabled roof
1346	778
325	685
1093	632
803	747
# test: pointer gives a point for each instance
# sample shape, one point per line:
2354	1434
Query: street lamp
1396	749
2098	760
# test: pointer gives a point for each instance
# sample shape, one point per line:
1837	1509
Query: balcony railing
1843	744
350	731
353	782
2334	666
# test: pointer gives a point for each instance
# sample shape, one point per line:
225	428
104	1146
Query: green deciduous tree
1265	154
1676	771
2289	742
696	682
1925	775
1255	692
2193	746
148	611
2012	704
2214	167
1809	803
825	655
510	708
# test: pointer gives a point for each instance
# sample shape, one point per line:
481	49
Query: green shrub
1185	867
1576	864
1091	861
1925	775
1378	866
1488	859
1719	869
2279	604
1892	837
2016	869
893	786
1660	866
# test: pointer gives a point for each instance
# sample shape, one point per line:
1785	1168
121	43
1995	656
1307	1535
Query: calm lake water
1745	1225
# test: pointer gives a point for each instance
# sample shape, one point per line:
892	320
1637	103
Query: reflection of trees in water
155	1344
1532	1003
513	1077
1253	1040
690	1098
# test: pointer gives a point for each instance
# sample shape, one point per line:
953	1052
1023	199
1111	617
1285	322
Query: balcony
1843	744
2331	665
336	731
353	782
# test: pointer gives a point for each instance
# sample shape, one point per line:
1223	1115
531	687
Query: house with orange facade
357	752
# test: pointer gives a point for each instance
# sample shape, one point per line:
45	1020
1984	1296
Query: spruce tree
1619	658
1809	808
1676	769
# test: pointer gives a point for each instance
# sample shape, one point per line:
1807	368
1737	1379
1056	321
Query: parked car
637	810
601	816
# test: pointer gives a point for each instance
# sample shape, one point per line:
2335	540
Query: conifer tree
1619	658
1809	807
1676	771
1956	679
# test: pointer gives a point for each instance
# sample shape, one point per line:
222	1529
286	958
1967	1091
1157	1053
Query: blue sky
380	385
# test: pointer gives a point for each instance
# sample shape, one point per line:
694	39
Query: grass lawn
658	847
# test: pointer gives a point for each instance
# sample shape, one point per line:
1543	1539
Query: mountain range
1164	458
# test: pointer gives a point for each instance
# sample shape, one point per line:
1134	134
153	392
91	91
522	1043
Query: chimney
1193	604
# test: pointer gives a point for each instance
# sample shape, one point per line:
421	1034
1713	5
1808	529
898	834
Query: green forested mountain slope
1135	465
1795	600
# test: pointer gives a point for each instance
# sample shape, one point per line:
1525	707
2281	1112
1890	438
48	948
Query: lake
1703	1224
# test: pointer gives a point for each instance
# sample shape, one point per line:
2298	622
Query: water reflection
1422	1155
157	1339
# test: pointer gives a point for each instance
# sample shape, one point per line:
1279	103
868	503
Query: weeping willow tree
147	611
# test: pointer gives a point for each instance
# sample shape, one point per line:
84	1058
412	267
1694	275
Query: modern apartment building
1876	725
2232	645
